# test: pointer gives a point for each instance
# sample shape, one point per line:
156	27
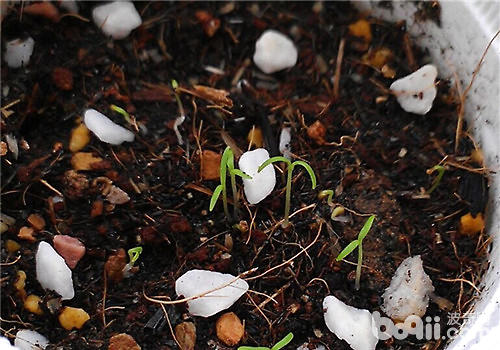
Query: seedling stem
291	166
227	162
358	243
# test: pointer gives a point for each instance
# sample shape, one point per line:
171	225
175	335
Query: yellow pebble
21	283
12	246
255	137
72	317
361	29
378	58
470	225
477	156
80	137
32	304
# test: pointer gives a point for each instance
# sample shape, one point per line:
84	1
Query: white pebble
285	138
117	196
12	143
350	324
117	19
416	92
52	271
274	51
261	184
18	52
30	340
196	282
69	5
105	129
6	345
408	293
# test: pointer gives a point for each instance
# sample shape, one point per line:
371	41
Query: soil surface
347	126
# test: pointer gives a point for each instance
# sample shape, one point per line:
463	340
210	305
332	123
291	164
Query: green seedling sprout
279	345
358	243
329	194
182	116
437	180
227	162
133	255
291	166
122	112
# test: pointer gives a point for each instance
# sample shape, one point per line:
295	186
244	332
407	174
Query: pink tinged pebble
70	248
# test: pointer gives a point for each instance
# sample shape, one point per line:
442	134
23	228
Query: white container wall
466	29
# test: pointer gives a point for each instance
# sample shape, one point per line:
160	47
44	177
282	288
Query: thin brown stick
409	52
170	326
291	259
12	262
336	82
460	280
180	301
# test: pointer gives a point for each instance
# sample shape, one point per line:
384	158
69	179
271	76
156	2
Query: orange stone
210	165
123	341
361	29
229	329
317	132
36	221
27	234
185	333
470	225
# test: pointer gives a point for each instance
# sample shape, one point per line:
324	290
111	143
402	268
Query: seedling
291	166
133	255
329	194
227	162
437	180
279	345
122	112
182	116
358	243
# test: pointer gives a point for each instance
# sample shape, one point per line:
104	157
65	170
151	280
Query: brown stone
210	165
115	264
317	132
229	329
27	234
62	78
123	341
97	208
185	333
44	9
36	221
76	185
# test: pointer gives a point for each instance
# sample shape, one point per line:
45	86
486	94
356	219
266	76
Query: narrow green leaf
175	84
347	250
366	227
240	173
223	164
273	160
283	342
230	159
215	196
309	170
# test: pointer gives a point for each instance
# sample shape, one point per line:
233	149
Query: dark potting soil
372	154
